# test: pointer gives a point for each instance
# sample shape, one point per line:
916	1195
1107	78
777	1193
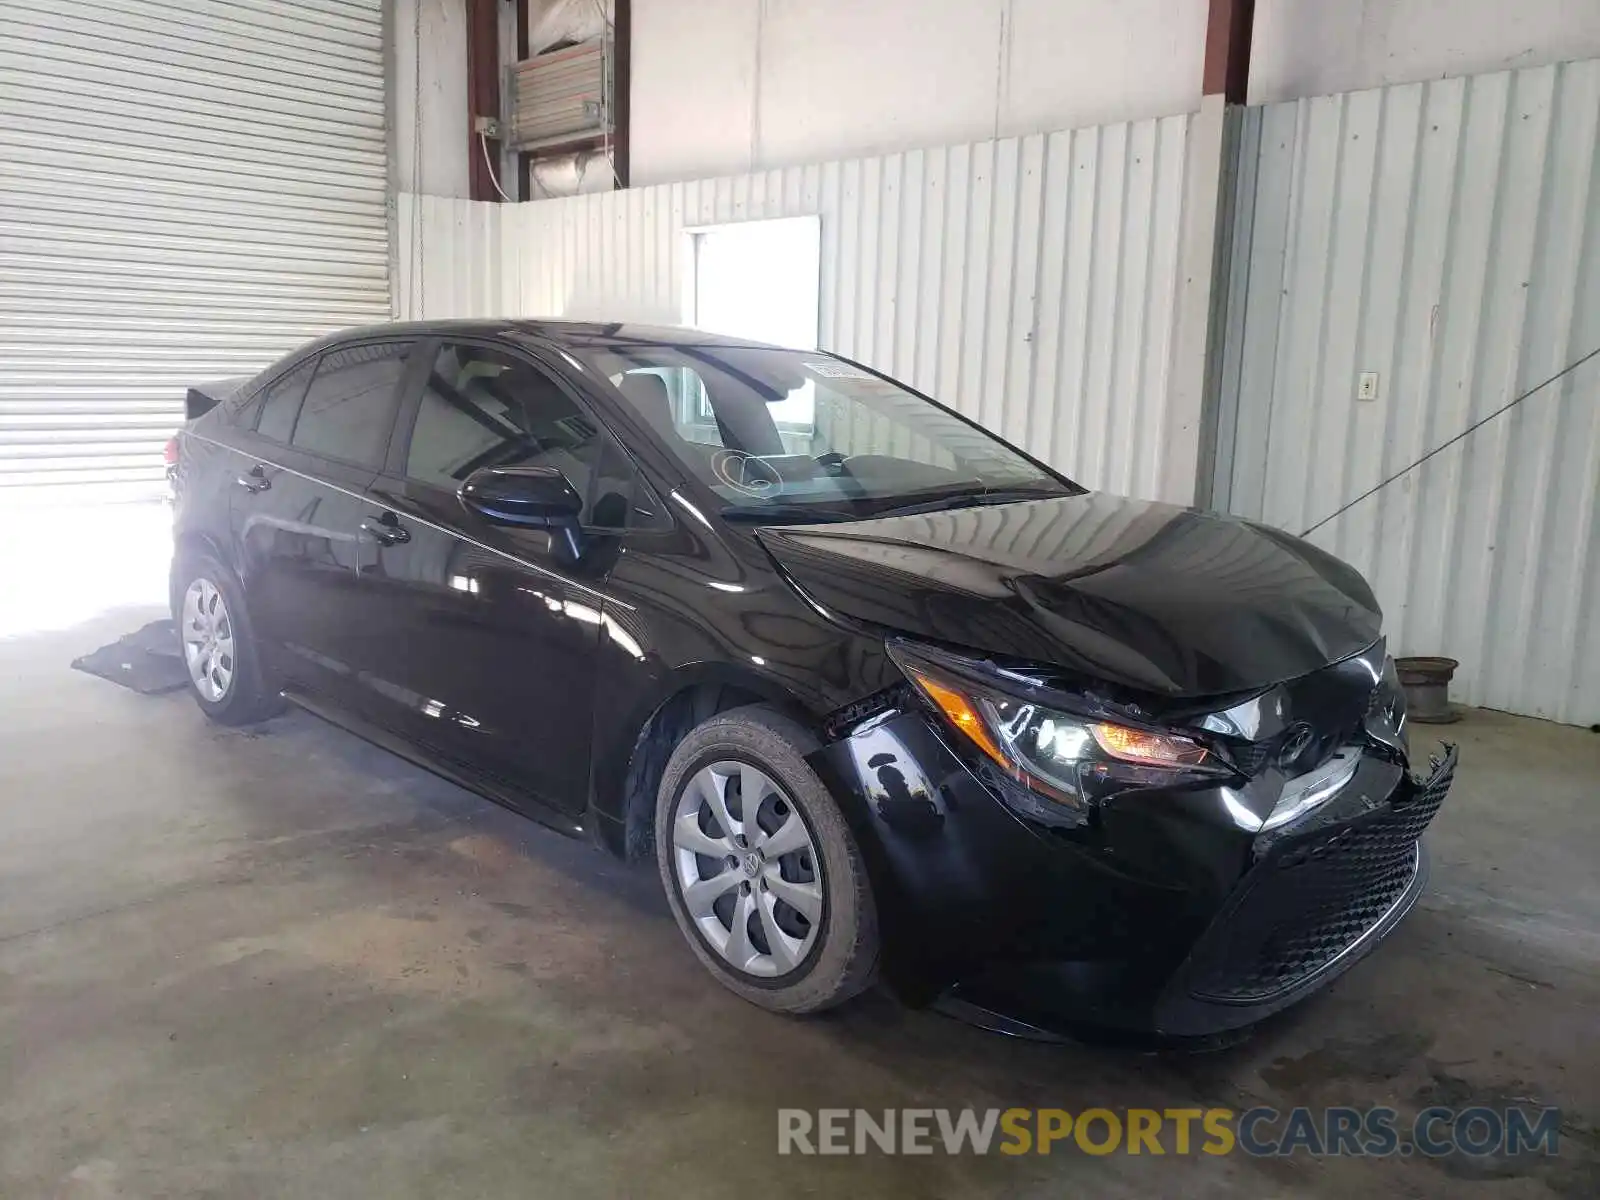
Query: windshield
798	435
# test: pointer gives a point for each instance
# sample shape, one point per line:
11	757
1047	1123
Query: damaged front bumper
1165	914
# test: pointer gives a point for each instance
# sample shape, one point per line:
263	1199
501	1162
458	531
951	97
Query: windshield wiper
777	514
967	499
785	514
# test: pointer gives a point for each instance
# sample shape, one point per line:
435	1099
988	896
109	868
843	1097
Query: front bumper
1168	913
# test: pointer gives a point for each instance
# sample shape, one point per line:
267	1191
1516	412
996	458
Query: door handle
386	530
255	481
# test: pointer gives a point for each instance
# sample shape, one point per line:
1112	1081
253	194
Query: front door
499	627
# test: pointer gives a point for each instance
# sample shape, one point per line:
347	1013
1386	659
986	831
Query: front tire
218	644
760	868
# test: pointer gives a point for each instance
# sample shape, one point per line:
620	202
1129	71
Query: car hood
1154	597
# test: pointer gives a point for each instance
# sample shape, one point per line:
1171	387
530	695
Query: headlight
1072	758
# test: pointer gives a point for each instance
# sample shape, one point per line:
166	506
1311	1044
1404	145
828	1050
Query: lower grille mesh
1312	900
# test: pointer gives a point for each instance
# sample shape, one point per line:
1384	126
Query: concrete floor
282	963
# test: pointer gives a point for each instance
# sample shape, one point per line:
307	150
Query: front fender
634	739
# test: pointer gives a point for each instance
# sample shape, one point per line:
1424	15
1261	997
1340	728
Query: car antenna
1538	387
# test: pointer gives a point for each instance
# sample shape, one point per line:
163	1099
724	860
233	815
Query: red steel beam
621	85
524	161
1227	64
483	94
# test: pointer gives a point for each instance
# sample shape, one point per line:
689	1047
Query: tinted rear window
281	403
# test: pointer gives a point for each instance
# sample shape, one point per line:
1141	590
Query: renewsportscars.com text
1371	1132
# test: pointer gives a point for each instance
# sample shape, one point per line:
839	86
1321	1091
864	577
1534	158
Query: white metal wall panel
451	260
1447	236
188	188
1030	282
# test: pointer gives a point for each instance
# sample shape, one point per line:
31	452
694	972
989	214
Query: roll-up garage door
188	188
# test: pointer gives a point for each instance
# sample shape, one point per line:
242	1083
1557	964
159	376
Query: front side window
349	407
797	435
483	407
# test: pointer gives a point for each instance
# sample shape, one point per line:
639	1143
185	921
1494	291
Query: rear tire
760	868
218	644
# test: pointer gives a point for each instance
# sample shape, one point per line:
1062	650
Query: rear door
496	628
299	506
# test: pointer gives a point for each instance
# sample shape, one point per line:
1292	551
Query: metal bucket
1426	682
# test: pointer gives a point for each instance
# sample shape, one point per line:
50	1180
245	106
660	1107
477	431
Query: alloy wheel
747	868
208	640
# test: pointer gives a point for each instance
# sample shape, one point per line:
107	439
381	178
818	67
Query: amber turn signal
1141	746
958	709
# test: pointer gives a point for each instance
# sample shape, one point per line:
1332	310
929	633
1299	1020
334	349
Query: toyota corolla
878	693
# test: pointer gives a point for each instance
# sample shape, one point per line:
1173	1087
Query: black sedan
877	691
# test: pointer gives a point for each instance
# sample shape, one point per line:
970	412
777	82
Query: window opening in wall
758	280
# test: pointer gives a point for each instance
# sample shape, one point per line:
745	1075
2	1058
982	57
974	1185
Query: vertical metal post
483	96
1229	25
621	75
1208	239
524	161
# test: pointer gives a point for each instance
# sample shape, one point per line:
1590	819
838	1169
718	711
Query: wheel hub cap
208	649
747	869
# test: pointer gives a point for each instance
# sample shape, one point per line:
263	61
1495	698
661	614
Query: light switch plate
1367	386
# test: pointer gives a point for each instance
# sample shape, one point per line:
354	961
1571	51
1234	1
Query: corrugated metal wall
1446	236
1030	282
451	259
187	190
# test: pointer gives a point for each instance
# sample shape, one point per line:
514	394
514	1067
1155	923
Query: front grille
1309	717
1252	757
1310	900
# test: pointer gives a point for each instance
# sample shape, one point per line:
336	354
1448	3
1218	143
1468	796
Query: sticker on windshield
833	369
745	472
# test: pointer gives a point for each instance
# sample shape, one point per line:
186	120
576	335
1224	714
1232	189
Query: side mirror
541	497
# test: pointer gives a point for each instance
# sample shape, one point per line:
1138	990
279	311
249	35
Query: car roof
583	335
574	335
